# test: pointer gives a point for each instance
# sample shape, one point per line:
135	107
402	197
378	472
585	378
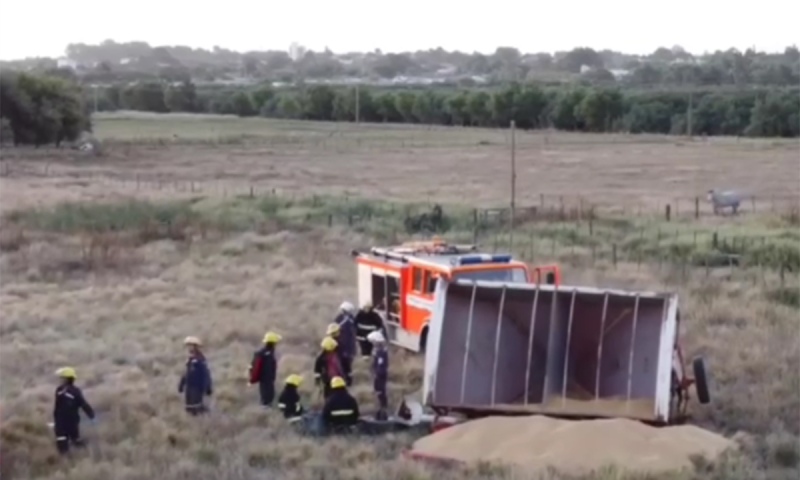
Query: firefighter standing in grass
264	368
347	333
69	402
328	365
380	373
195	384
334	331
341	409
367	320
289	399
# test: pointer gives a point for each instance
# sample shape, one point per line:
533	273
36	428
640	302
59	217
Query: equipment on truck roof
401	280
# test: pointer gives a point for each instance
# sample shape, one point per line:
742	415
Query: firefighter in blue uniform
195	384
340	412
346	336
380	373
264	368
69	401
289	399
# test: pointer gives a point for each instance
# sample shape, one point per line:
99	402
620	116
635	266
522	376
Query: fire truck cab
400	281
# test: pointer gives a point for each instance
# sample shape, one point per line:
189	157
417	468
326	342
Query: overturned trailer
512	348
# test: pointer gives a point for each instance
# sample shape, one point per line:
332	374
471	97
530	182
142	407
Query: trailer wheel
423	340
701	381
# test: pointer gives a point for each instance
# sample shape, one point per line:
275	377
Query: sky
360	25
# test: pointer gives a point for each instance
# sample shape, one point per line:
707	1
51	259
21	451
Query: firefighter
328	365
341	409
264	367
367	321
380	373
195	384
334	331
69	401
289	399
347	332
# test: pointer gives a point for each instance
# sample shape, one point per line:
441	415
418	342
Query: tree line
42	109
766	112
112	62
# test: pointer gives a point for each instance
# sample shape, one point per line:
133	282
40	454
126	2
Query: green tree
182	98
242	105
42	109
318	102
600	109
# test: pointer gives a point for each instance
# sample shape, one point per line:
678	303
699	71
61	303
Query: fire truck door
419	300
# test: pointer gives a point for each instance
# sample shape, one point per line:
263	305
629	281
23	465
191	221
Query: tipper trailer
583	352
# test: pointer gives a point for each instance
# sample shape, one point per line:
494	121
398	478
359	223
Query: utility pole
513	184
94	88
689	115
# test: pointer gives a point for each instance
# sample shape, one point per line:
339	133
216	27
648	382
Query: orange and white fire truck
401	281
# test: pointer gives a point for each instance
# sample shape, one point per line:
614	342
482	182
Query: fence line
549	207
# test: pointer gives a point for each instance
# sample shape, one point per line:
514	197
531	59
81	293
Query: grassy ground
228	271
112	282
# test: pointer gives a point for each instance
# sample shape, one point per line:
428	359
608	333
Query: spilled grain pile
539	442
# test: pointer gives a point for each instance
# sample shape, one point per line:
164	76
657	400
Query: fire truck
400	281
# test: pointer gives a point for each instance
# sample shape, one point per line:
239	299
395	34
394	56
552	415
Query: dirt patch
577	447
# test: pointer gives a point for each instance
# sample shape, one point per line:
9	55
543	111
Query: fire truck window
418	279
431	284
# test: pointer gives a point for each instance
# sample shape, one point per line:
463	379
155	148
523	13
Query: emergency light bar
482	258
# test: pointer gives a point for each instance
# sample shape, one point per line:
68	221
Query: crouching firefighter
264	367
367	320
340	412
66	412
329	364
380	373
289	399
195	384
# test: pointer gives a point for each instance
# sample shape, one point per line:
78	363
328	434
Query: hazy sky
45	27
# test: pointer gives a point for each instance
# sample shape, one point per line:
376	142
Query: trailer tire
701	381
423	340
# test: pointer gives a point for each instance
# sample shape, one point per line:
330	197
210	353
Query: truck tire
701	381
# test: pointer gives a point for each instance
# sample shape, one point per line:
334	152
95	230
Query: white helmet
347	307
376	337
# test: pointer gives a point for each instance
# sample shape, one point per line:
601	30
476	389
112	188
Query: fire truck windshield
515	274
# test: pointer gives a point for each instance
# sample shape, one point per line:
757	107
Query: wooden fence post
614	254
696	207
668	212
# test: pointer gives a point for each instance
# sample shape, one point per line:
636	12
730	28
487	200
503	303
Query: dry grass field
116	303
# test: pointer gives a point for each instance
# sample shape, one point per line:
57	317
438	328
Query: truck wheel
701	381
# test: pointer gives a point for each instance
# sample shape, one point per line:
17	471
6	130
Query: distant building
296	51
66	63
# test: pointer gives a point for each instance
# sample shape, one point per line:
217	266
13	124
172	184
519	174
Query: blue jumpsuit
380	375
66	416
195	384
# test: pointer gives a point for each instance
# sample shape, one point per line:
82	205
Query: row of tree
39	110
765	112
111	62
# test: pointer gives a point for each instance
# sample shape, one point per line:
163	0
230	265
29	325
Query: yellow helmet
328	344
338	382
192	341
294	379
271	337
333	329
66	372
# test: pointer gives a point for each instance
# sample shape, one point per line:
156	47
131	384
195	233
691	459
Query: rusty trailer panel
564	351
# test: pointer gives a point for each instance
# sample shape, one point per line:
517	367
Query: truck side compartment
568	351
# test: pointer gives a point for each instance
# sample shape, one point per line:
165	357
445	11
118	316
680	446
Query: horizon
598	26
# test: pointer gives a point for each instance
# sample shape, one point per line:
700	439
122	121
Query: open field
112	288
401	162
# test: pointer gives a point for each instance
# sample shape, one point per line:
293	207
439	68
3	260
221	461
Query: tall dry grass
119	318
